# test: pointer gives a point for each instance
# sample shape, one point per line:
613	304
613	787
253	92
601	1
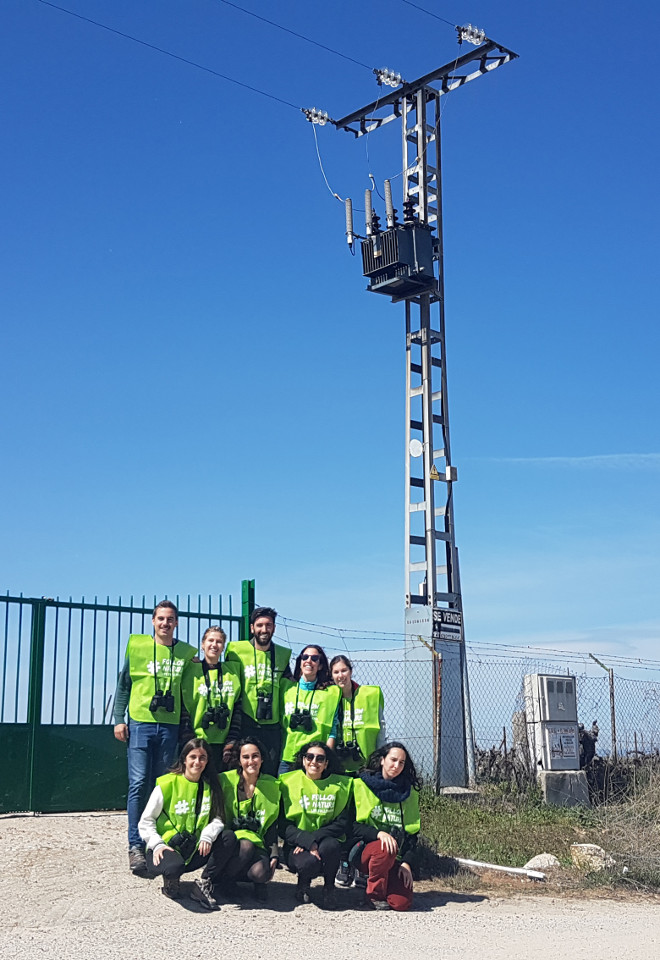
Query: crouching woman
315	818
252	806
386	796
182	826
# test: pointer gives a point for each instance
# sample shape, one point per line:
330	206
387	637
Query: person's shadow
281	897
426	900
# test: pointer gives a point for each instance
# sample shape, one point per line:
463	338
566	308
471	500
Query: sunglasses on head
315	757
314	657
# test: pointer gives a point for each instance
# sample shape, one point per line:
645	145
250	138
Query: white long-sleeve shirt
149	832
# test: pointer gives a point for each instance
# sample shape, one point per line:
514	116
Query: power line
424	10
168	53
293	33
493	649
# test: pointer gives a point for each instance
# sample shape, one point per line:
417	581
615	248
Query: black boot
303	891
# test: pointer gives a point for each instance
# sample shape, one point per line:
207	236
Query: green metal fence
59	663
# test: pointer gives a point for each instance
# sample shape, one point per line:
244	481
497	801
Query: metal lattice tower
434	610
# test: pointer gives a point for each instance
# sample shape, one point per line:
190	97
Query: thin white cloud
609	461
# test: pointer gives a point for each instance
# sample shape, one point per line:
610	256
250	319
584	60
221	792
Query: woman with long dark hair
182	825
252	807
309	704
386	825
361	724
316	813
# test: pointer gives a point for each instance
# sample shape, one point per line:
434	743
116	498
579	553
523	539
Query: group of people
267	754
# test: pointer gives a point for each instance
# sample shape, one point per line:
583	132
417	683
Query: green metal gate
59	663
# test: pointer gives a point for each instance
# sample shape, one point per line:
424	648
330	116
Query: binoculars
246	823
184	843
301	720
162	701
264	706
348	750
218	715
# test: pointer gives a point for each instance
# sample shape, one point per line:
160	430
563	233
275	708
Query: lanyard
171	659
341	715
272	667
209	685
238	801
309	709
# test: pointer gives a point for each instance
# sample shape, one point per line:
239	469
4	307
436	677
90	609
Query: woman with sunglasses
211	690
316	813
182	826
309	705
386	825
361	724
252	807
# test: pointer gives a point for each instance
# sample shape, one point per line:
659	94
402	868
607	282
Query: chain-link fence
496	693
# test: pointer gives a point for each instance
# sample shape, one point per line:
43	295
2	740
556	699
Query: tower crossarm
489	56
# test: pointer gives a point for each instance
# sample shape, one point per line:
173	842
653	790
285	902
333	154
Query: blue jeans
152	748
285	766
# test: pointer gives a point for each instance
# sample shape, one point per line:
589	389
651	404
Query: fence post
610	673
247	606
35	688
469	732
612	714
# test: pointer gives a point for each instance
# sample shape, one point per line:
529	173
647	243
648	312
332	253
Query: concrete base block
565	788
459	793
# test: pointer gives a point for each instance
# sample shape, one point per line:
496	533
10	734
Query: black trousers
172	863
270	735
307	866
250	863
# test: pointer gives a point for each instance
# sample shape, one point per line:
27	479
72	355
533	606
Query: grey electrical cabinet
551	714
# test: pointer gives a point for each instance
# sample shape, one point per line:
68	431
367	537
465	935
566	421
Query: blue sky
196	387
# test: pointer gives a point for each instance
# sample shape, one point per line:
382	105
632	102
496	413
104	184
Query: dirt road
66	891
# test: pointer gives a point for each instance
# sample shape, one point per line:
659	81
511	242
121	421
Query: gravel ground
66	891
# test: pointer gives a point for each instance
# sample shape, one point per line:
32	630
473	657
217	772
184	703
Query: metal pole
247	606
35	692
612	714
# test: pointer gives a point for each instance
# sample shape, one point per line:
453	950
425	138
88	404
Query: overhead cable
293	33
424	10
168	53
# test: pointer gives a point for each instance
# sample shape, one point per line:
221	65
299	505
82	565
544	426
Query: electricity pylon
405	261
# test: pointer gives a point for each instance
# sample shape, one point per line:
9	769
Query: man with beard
263	665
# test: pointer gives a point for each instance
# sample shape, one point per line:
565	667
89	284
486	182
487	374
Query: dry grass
506	828
630	828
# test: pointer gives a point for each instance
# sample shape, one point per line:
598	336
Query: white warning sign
563	743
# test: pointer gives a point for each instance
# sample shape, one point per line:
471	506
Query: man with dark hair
149	686
263	664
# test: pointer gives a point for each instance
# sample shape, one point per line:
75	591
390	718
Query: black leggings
307	866
249	863
172	863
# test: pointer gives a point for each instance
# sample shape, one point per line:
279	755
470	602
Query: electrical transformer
552	729
399	261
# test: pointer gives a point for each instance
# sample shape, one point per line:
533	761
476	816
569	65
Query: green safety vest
264	805
382	815
256	674
169	668
198	698
362	723
310	804
322	705
179	802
